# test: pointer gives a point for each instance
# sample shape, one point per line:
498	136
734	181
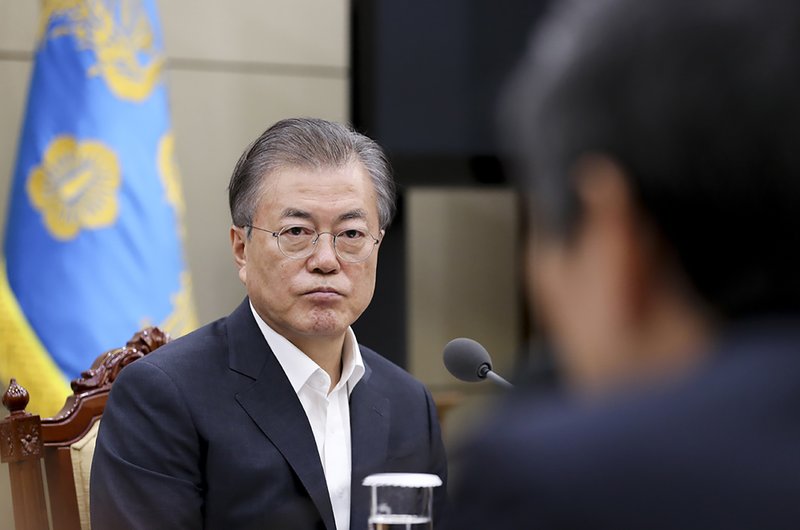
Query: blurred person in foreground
271	417
660	141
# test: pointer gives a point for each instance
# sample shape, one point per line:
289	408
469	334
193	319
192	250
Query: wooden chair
65	442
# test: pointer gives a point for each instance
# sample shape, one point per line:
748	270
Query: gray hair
307	143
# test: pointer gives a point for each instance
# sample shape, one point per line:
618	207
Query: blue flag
93	242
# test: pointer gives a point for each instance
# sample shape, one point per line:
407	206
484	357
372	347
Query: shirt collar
299	367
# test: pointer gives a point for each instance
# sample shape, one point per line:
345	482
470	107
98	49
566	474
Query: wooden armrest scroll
90	390
106	368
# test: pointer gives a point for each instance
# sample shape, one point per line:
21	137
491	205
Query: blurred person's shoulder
757	361
655	451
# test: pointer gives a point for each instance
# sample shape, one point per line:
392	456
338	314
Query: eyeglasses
298	242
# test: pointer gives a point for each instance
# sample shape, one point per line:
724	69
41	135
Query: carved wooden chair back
64	442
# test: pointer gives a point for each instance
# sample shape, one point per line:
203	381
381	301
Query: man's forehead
354	171
342	192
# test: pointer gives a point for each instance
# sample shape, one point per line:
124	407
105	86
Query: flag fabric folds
93	243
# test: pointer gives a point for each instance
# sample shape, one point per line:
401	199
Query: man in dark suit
272	417
660	142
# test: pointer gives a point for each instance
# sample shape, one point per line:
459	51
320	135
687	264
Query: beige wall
461	276
462	282
234	68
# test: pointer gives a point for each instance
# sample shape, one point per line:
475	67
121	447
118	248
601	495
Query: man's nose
324	257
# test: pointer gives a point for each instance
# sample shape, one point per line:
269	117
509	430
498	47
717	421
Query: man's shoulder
380	364
190	351
384	369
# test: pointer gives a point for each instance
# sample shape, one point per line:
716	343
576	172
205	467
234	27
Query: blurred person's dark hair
712	159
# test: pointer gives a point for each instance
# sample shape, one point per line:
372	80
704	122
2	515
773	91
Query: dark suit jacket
719	449
207	432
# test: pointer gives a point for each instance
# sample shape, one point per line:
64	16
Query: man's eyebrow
294	212
353	214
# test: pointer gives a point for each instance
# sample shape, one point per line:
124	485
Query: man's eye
297	231
352	234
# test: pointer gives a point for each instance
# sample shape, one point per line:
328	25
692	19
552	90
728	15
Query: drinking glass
402	501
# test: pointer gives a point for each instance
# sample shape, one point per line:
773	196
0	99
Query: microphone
468	361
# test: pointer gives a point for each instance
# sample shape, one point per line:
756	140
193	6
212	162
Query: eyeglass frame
277	233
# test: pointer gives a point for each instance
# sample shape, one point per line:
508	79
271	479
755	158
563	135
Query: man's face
588	287
321	295
578	306
611	296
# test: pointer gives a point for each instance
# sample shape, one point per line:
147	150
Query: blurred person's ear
617	237
605	292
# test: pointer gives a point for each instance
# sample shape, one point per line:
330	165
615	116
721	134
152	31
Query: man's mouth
323	290
323	294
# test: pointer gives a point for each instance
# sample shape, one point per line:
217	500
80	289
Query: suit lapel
369	434
273	405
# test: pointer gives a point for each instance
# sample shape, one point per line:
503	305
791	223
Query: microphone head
465	358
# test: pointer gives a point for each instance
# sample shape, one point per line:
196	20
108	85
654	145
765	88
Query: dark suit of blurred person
658	143
271	417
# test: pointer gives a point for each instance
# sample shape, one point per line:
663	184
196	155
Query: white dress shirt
327	412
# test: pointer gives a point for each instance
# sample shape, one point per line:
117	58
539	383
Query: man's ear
621	229
239	249
381	235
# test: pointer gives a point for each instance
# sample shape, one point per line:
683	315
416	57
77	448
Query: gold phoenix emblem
120	35
183	318
75	186
171	177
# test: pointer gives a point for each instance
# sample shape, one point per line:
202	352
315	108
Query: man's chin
324	323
